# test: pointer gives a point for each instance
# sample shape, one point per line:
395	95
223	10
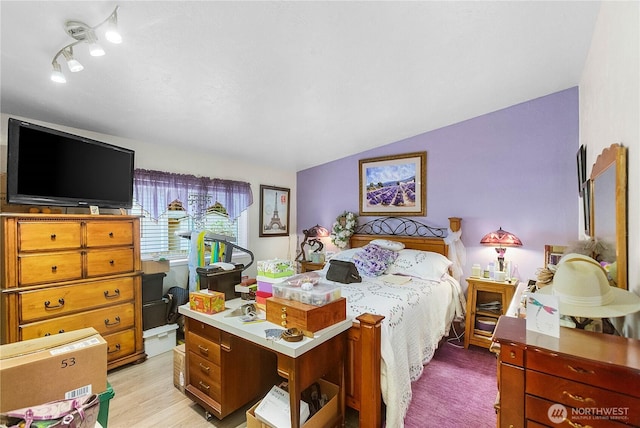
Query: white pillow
388	245
421	264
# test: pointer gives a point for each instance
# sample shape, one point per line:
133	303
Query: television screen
51	167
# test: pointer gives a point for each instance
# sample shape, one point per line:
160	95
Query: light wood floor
145	397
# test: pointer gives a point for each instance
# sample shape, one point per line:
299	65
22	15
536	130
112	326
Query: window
165	226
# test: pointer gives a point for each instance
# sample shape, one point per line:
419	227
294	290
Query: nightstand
482	314
307	266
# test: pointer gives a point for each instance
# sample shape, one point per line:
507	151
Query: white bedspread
417	315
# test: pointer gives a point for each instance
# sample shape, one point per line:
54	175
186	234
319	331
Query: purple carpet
457	389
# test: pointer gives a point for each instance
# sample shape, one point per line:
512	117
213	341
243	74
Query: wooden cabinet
64	272
480	292
224	372
585	378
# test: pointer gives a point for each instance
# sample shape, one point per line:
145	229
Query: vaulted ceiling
295	84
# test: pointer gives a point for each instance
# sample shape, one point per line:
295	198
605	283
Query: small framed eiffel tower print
274	211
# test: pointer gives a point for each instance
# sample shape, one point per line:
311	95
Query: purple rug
457	389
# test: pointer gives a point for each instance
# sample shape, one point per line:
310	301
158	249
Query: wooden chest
308	318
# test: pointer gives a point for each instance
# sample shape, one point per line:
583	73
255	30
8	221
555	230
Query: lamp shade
501	238
317	231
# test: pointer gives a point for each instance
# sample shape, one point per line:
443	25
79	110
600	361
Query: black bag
342	271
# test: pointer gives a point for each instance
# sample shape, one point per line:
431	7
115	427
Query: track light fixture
83	33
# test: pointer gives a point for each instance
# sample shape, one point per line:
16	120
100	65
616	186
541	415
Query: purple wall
514	168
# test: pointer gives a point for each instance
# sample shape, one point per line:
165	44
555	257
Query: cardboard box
178	367
308	318
323	418
155	266
51	368
206	301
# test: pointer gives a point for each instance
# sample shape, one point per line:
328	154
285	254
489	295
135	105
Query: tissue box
206	301
276	268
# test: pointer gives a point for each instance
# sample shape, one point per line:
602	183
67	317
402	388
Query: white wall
176	159
610	112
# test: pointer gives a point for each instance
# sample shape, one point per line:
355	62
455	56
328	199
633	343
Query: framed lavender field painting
394	185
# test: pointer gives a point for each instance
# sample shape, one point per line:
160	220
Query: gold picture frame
394	185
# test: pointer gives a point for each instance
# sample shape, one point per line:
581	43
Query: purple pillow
373	260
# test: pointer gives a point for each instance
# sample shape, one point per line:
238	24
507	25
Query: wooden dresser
582	379
64	272
224	372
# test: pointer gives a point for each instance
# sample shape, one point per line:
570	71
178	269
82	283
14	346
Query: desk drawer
538	411
511	353
204	330
105	321
53	267
109	233
57	301
206	349
48	235
205	376
120	344
109	262
606	376
577	394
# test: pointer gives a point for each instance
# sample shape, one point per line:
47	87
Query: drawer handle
284	323
580	370
577	425
512	354
111	262
203	350
283	316
59	331
579	398
112	296
117	349
204	386
47	304
53	236
54	268
283	309
110	324
204	368
110	234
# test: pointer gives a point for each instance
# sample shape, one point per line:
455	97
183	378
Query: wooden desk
301	363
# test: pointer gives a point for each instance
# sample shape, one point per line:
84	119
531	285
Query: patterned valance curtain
155	190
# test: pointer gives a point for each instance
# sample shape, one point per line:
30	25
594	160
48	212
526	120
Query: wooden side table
482	291
307	266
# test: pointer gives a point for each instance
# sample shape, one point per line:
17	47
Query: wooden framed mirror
609	207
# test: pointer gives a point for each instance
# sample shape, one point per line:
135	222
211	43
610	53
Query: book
395	279
274	409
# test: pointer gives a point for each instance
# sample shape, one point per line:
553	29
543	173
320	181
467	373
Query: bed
397	327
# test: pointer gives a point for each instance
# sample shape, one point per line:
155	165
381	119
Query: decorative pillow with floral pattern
373	260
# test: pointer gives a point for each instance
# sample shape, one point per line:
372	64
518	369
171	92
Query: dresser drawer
511	353
205	376
109	262
202	329
607	376
577	394
57	301
48	235
203	347
44	268
109	233
120	344
539	410
105	321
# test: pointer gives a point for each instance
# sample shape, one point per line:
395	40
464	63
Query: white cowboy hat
582	288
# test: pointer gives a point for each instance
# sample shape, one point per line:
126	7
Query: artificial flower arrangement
343	228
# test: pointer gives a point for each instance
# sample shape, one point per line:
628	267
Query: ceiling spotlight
74	64
56	74
83	33
112	33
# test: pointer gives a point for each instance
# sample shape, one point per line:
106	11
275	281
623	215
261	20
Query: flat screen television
50	167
